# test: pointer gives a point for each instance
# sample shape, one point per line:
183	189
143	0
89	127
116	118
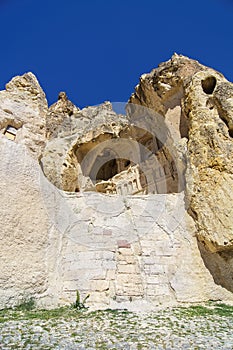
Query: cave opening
208	85
107	170
135	162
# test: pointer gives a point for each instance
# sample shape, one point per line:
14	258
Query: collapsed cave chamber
130	161
102	151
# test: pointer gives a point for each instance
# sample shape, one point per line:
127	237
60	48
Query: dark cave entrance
107	170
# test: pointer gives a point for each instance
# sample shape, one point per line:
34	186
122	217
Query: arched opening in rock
107	170
184	126
175	118
208	85
10	132
10	128
132	162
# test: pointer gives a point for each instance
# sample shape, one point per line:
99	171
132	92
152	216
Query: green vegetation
170	328
26	305
211	308
16	314
26	310
78	304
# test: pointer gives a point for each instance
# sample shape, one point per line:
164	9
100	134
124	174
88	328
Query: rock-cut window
10	132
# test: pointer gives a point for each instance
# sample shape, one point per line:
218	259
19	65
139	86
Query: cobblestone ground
191	328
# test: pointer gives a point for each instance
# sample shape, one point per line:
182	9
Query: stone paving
165	329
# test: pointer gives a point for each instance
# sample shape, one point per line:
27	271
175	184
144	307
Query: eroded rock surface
138	206
59	114
197	101
100	150
23	109
135	252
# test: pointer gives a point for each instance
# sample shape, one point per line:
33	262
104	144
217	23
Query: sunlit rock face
198	102
111	153
130	203
23	109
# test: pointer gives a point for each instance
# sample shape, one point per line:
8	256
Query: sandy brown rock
98	149
59	114
74	136
210	171
202	113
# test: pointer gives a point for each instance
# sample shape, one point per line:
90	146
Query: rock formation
130	203
99	150
199	101
23	108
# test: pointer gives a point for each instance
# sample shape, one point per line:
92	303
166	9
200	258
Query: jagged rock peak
26	83
63	105
58	113
23	107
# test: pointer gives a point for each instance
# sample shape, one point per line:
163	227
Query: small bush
78	304
26	305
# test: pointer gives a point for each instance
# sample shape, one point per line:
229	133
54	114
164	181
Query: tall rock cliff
129	203
198	102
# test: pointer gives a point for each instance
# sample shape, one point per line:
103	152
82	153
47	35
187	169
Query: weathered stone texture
24	232
59	114
120	250
210	170
150	252
23	105
202	114
113	153
150	238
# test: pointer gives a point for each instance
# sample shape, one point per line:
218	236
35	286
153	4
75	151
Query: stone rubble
119	330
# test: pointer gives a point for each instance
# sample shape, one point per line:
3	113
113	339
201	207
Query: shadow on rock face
220	265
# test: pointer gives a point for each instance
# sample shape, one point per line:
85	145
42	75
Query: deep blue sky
96	50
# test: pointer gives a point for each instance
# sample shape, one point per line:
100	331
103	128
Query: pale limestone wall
135	252
125	251
23	105
24	231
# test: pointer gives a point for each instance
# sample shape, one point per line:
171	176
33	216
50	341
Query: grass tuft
26	311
